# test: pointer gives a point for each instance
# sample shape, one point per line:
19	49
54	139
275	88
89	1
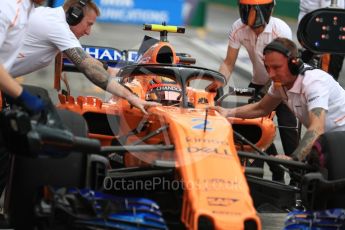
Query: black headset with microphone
75	13
295	63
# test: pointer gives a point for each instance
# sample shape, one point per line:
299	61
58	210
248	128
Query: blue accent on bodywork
112	56
89	208
330	219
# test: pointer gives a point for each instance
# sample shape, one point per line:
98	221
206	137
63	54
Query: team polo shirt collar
297	86
268	27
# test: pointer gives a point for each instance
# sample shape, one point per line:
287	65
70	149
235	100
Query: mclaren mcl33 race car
179	142
189	165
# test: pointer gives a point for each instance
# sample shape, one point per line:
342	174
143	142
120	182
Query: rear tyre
73	122
333	145
29	175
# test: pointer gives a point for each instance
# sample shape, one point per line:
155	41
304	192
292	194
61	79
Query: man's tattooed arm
92	68
95	72
316	128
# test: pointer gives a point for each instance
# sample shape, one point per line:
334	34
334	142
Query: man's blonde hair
90	5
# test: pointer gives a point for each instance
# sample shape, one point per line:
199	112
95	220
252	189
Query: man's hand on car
141	104
224	112
283	157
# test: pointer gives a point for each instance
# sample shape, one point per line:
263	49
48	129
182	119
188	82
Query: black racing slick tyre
73	122
333	145
28	175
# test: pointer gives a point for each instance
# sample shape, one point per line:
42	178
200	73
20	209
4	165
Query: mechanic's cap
164	93
255	13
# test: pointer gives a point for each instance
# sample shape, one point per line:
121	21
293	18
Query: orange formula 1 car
181	155
182	134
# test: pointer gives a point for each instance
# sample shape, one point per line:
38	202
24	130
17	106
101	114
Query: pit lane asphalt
208	45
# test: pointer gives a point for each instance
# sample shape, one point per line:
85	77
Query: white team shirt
306	6
241	34
14	15
48	33
316	89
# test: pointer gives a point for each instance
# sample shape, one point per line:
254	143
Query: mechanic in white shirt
254	30
52	30
312	94
306	6
14	16
331	63
13	24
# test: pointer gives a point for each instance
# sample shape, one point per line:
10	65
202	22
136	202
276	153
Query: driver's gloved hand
32	104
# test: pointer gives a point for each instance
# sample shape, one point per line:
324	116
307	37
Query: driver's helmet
163	90
255	13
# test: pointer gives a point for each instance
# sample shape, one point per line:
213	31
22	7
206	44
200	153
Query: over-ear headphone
295	64
75	13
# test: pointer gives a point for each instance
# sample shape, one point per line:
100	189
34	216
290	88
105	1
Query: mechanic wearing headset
13	24
313	95
58	29
255	29
306	6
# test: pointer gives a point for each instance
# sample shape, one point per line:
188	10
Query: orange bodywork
204	152
206	161
266	127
